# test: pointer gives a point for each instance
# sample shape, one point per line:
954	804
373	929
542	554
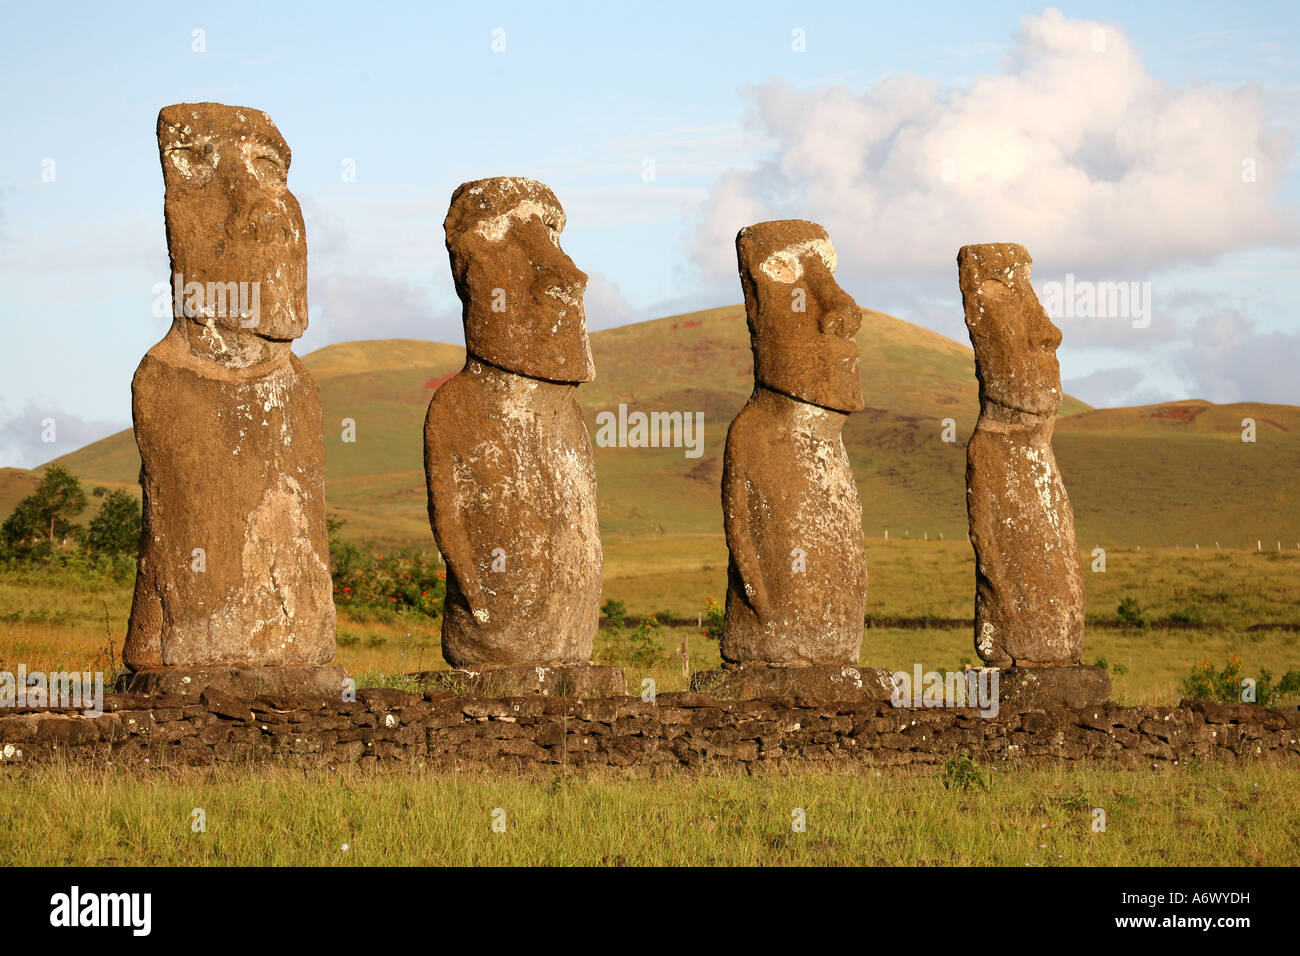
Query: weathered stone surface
1075	686
797	577
285	680
233	566
826	682
1029	597
508	459
683	730
556	680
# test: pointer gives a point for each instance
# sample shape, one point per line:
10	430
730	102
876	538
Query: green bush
401	581
1224	685
963	773
714	614
1131	614
615	613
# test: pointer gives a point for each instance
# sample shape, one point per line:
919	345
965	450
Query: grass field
276	814
1187	816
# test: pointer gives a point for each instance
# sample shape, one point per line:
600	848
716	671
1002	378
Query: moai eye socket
196	162
265	163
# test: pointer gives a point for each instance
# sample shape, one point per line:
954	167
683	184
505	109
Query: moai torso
508	459
234	562
1029	598
787	485
797	576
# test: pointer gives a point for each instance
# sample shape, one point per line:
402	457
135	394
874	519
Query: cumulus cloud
346	307
1229	359
1074	150
605	305
23	435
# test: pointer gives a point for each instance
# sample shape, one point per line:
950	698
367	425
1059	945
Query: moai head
233	227
801	323
521	294
1014	340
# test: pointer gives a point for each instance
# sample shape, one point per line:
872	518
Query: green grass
284	816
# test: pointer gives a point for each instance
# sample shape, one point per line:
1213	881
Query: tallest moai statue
1029	596
233	581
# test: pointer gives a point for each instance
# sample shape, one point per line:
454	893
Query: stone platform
551	680
815	682
247	682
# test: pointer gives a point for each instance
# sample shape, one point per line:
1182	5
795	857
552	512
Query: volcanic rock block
821	682
507	455
233	569
797	575
1029	586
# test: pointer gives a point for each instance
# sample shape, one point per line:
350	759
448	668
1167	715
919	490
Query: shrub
714	614
1225	685
1131	614
615	613
402	581
963	773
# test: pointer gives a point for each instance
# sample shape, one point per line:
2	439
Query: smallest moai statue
797	577
1029	596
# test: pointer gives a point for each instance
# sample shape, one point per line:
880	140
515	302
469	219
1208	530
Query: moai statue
507	455
797	578
1029	596
233	581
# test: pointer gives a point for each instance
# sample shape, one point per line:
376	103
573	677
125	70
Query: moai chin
797	576
508	459
233	570
1029	597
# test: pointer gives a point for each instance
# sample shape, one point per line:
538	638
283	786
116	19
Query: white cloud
22	435
1079	154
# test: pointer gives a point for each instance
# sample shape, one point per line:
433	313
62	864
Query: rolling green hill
1176	473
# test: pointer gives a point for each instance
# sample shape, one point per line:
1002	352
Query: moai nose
840	314
262	220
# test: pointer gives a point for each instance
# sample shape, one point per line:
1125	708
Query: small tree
47	513
116	529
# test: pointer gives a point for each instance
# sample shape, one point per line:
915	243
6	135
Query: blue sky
1118	164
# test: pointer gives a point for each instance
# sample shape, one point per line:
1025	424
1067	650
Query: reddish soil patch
434	382
1178	413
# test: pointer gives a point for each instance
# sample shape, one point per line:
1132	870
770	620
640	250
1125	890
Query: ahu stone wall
677	731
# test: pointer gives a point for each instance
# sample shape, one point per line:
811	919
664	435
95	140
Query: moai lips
234	563
797	577
508	459
1029	597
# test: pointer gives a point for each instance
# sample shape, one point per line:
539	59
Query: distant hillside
1167	474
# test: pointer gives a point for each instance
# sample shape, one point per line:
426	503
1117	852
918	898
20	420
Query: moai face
521	294
1015	342
234	231
801	323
